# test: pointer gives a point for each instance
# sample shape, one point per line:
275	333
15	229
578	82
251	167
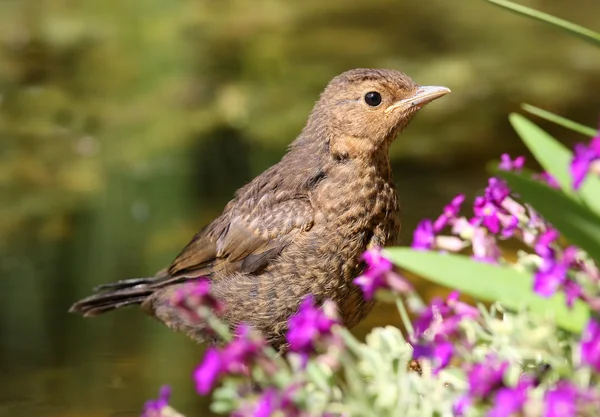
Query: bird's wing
244	240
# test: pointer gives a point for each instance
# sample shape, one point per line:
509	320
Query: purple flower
242	350
549	277
561	401
193	296
423	237
450	212
436	325
380	274
486	377
442	354
542	246
246	347
442	318
154	408
508	164
509	225
590	344
583	159
496	191
266	405
488	212
462	405
572	292
485	248
307	326
271	402
510	401
548	179
207	373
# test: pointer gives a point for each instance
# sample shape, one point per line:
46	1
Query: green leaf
556	158
551	154
506	285
577	223
585	33
559	120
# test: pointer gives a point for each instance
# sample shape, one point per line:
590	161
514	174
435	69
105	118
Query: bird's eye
373	98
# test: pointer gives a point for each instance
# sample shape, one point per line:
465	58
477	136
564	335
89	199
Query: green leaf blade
556	158
506	285
577	30
551	154
577	223
559	120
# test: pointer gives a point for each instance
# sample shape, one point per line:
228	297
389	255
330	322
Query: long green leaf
556	158
551	154
559	120
577	223
585	33
506	285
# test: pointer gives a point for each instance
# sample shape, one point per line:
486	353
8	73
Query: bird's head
361	111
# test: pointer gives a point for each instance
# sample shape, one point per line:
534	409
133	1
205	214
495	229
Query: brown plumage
300	227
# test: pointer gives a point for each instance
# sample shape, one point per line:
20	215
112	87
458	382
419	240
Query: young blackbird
300	227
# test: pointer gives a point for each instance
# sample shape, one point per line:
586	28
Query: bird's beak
422	96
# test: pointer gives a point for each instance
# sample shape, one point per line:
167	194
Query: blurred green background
126	125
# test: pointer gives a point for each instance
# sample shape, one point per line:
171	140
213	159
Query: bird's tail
116	295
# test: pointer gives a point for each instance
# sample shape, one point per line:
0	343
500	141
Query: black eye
373	98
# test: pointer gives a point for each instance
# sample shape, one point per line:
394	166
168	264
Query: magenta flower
507	164
193	296
380	274
547	179
234	358
436	325
584	158
488	212
271	402
242	350
442	354
510	401
542	246
561	401
423	237
441	318
485	248
484	378
590	345
450	212
267	404
155	408
496	191
209	371
549	278
307	326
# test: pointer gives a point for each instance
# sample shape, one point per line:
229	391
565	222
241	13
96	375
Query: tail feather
114	296
123	293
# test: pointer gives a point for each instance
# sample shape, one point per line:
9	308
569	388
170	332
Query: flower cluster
195	302
380	274
437	327
311	326
586	159
235	358
476	362
160	406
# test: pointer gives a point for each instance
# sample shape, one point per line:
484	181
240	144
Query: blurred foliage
125	125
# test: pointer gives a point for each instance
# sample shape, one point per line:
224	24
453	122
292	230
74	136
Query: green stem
559	120
587	34
404	316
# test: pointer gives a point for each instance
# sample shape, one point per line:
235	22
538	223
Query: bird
301	226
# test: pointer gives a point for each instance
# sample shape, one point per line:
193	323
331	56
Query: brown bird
300	227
